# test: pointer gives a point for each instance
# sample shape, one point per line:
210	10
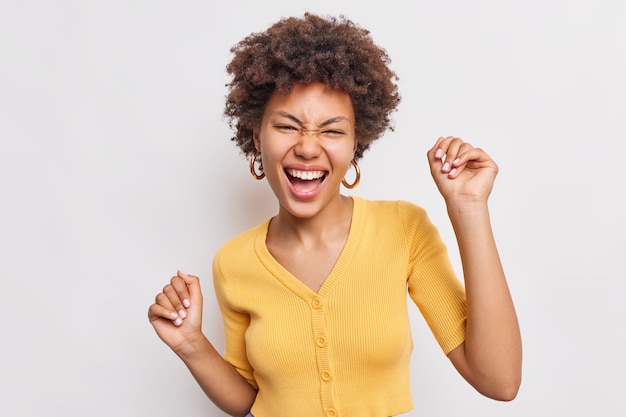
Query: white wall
116	169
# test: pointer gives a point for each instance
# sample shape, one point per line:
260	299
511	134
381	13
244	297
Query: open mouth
305	181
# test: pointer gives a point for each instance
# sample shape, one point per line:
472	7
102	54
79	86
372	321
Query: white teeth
306	175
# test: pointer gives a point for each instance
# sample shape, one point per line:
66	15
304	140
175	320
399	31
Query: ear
256	139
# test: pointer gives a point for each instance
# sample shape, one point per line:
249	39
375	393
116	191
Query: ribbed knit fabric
345	350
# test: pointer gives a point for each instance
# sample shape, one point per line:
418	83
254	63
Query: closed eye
292	129
286	128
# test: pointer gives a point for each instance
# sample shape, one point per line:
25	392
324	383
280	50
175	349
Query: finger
451	154
447	152
470	155
180	286
165	303
458	156
193	287
471	158
443	146
177	303
456	168
438	150
158	311
435	147
436	155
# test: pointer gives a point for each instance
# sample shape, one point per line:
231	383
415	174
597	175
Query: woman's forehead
315	102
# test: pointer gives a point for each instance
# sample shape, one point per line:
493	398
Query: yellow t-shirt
345	350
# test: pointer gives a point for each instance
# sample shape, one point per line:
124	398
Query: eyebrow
324	123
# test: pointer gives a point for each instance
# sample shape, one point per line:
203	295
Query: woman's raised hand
462	172
176	314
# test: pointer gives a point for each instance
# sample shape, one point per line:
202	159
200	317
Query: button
326	376
316	303
321	341
332	412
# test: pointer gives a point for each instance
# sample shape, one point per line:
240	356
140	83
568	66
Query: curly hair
331	50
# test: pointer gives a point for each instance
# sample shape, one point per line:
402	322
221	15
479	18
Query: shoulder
238	248
242	239
398	217
385	208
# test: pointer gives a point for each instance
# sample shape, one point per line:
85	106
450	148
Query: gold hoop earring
356	180
253	160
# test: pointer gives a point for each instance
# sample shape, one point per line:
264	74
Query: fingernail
453	171
445	167
178	322
182	313
173	315
186	303
456	161
439	153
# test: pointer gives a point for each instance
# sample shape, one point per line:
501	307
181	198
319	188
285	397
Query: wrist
467	208
192	347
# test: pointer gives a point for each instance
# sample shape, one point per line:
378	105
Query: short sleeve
432	283
235	324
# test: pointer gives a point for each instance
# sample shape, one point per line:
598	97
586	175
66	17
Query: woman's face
307	141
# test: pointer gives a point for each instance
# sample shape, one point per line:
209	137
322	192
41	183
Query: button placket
317	303
326	376
322	353
320	341
332	412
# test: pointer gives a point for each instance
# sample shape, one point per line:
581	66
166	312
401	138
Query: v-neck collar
337	272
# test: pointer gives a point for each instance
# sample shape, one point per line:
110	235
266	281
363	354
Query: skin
176	316
490	359
311	131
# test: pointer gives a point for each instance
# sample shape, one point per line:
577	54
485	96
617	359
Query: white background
116	169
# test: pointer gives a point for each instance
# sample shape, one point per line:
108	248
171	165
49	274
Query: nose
308	146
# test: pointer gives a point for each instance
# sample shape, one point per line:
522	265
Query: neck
333	222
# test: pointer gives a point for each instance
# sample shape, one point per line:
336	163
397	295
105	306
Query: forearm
492	350
218	379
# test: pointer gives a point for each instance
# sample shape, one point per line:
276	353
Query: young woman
314	299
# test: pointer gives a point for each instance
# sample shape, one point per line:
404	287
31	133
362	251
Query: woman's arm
490	359
176	316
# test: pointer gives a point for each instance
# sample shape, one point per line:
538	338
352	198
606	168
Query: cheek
341	164
343	152
273	153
